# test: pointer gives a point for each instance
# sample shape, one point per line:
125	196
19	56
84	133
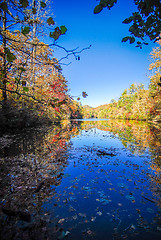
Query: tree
155	83
31	79
146	22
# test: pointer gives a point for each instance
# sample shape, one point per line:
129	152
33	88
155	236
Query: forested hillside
32	86
135	102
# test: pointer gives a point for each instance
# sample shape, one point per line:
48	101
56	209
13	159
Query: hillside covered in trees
136	102
32	86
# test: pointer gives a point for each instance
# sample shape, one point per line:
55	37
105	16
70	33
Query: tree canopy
145	23
32	86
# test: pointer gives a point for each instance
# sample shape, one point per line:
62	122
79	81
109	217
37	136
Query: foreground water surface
81	180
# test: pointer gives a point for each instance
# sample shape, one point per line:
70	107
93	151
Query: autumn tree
155	83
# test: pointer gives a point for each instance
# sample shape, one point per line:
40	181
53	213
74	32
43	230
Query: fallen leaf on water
63	234
82	214
61	220
93	219
99	213
120	204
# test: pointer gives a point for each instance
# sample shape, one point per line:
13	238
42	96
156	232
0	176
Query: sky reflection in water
83	180
107	191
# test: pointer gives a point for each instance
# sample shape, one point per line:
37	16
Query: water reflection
82	180
31	162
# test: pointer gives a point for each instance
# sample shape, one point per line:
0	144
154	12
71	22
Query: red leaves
57	109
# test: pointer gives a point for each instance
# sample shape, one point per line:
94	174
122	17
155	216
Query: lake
92	179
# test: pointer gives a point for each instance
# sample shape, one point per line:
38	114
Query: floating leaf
99	213
150	210
63	234
130	197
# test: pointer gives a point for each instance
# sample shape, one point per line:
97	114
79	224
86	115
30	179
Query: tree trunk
4	70
33	50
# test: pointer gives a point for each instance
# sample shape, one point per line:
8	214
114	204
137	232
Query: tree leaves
128	20
146	21
26	89
63	29
34	10
98	9
104	3
3	6
125	39
54	35
50	21
10	56
24	3
84	94
58	32
25	30
131	39
43	5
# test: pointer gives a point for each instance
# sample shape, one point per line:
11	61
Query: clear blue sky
109	66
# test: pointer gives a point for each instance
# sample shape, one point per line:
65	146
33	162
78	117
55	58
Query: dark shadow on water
81	180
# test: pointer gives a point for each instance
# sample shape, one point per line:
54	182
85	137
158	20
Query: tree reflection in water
81	180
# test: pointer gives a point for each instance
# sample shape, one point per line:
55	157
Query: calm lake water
82	180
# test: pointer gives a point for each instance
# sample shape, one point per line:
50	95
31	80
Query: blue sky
109	66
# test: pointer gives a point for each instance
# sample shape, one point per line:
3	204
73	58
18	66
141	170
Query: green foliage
27	80
26	89
43	5
128	20
50	21
34	10
58	32
10	56
63	29
54	35
131	39
25	30
134	103
3	6
24	3
145	22
98	9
